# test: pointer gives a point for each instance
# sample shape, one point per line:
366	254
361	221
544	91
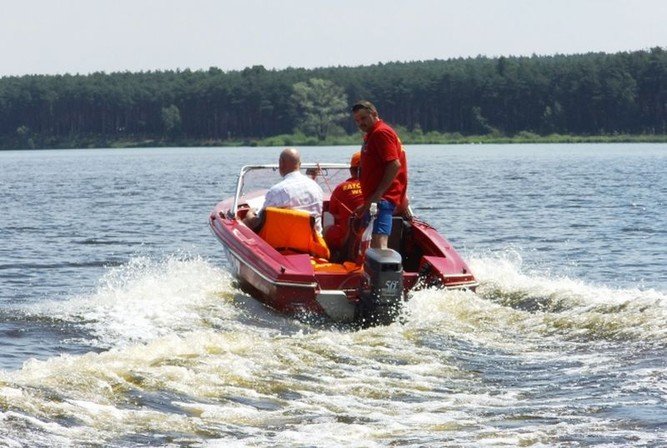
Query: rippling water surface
120	325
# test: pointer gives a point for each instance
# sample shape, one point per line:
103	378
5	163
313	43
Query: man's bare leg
379	241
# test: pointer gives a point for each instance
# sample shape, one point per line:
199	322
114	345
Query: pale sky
84	36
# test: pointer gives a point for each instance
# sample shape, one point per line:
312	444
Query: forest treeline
587	94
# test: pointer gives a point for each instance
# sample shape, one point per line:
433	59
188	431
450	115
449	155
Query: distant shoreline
301	140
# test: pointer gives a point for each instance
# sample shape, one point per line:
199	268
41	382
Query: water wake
146	299
183	356
572	308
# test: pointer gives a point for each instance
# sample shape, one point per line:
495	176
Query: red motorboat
283	267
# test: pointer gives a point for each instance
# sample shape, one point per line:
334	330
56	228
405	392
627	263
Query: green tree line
587	94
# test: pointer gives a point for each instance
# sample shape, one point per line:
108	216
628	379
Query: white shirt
297	191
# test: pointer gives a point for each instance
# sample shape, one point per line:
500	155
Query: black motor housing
381	295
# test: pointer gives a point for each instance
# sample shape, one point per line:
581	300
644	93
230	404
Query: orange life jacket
286	228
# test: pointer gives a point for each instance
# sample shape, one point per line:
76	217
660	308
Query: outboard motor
381	294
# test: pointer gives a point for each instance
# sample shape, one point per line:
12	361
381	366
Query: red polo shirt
381	146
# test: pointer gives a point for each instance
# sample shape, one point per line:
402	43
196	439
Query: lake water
120	325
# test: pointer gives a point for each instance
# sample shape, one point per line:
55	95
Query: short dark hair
363	104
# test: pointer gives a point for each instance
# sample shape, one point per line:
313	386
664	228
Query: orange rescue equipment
286	228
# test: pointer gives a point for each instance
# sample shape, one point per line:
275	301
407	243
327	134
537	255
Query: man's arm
390	171
272	198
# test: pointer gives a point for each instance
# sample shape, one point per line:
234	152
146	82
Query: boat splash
179	356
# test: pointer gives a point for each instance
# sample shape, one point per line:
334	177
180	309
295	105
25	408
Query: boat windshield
254	181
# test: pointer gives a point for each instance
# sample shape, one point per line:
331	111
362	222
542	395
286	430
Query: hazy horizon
80	37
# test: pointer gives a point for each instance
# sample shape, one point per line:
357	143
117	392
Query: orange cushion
285	228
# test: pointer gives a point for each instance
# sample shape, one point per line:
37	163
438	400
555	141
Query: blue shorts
382	223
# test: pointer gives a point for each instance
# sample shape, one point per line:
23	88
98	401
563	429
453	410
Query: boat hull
295	284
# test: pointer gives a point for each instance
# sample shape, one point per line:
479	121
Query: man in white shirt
295	191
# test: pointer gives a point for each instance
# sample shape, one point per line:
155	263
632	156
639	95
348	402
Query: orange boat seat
292	230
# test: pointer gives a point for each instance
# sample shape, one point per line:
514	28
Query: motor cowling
381	295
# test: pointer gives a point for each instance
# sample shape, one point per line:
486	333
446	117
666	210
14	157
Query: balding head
290	160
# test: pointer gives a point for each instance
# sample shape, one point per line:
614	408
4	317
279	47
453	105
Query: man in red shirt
384	171
345	199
